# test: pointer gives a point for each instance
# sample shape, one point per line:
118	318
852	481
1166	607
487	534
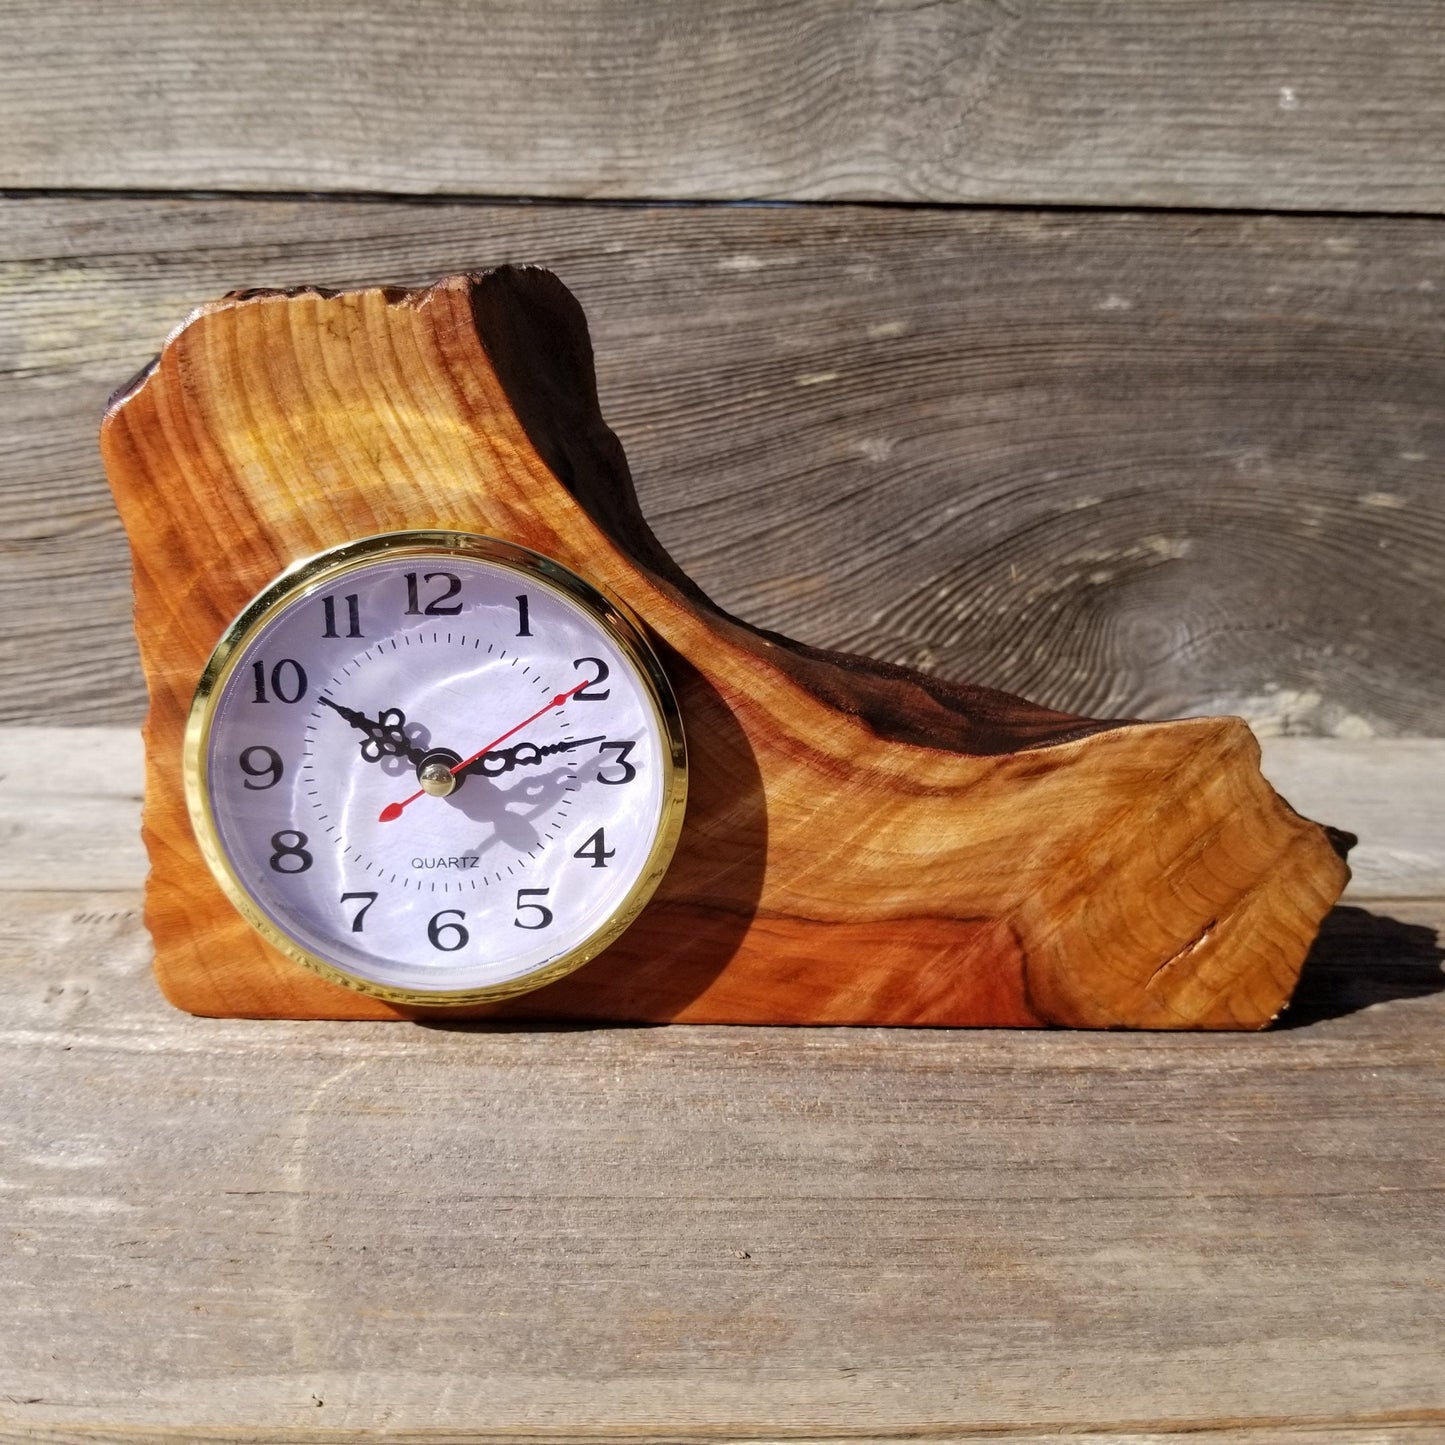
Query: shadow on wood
706	903
1360	959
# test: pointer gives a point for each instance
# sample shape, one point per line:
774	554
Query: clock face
435	767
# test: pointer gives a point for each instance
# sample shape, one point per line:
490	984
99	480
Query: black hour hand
385	734
522	755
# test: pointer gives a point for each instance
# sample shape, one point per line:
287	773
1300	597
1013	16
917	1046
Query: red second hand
392	811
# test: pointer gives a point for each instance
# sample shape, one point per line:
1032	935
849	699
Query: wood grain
1324	105
863	844
287	1232
1136	465
88	837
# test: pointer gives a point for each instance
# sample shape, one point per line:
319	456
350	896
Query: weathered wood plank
1387	792
1122	464
671	1234
84	836
1324	105
1383	1429
1376	1429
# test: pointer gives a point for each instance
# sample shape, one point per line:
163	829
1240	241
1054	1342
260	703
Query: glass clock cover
435	767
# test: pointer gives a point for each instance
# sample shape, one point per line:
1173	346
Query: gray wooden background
1086	348
1093	351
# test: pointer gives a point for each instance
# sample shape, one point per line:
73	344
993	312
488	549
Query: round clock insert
435	767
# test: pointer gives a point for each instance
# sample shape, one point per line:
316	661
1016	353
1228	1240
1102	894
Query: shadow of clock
511	812
704	905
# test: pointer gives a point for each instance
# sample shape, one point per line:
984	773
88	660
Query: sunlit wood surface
287	1232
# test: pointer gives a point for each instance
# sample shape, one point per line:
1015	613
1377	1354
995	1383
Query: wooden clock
436	725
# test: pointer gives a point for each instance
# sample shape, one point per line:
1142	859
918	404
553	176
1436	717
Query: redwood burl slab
864	844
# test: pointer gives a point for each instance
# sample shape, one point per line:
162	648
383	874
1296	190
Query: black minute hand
384	733
522	755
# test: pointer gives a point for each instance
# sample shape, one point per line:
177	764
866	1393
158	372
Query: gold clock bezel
304	579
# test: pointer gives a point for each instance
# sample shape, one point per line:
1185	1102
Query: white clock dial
437	767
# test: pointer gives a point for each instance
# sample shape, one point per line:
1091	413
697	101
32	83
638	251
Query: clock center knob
434	773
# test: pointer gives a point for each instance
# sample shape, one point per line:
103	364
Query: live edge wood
863	844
